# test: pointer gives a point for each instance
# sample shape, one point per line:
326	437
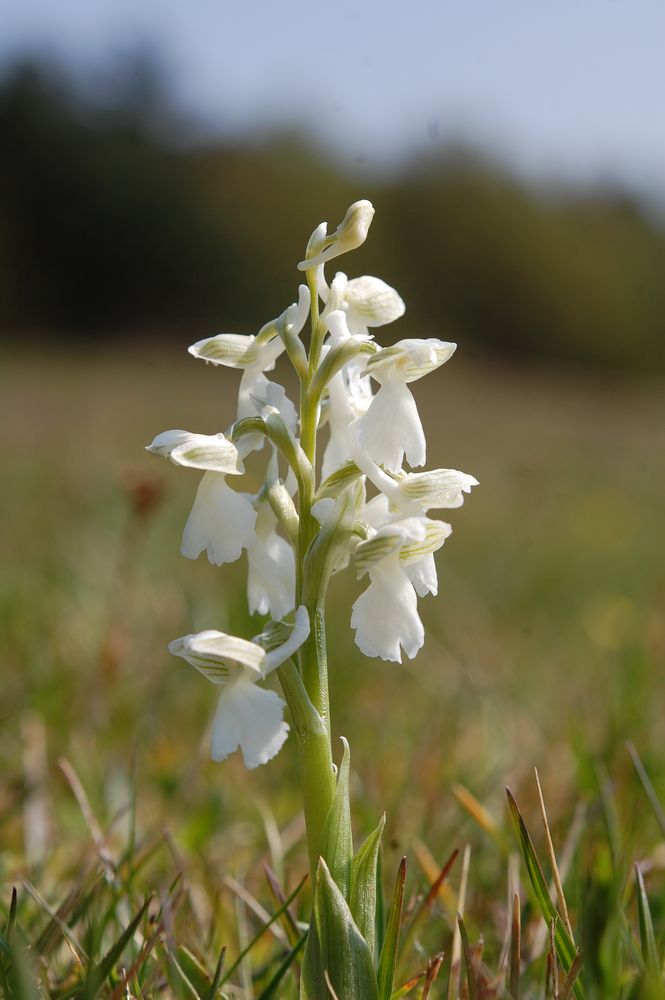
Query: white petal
436	488
271	578
251	718
218	655
221	522
256	392
165	442
391	428
371	302
422	575
411	358
385	616
209	452
233	350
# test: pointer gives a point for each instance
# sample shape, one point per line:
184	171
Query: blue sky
564	87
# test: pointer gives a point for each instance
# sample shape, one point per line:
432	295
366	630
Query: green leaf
362	897
336	950
195	971
344	951
647	936
336	844
565	948
388	960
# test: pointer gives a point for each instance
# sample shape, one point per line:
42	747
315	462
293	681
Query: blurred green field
544	648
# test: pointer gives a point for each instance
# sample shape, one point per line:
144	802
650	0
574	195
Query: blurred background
162	167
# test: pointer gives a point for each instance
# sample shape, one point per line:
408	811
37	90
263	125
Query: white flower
271	580
391	429
221	523
398	556
385	616
247	716
367	301
414	493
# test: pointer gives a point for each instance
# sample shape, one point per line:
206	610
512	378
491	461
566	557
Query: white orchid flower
271	579
221	521
391	429
247	717
385	617
367	301
396	556
414	493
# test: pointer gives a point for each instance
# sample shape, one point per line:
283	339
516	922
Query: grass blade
515	950
658	810
99	974
564	946
263	929
284	967
468	959
388	960
647	936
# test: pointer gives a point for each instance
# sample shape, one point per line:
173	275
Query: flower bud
349	235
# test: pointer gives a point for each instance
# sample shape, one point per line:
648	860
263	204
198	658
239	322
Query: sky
569	88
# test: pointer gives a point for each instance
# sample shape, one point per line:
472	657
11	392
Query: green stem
308	694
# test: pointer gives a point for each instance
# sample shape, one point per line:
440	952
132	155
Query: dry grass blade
123	986
554	963
515	949
267	925
430	868
421	911
69	936
254	905
95	829
552	856
570	980
479	813
456	953
288	919
431	973
471	977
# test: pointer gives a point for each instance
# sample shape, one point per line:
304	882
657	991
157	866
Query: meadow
544	649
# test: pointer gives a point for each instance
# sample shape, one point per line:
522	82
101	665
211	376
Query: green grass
545	648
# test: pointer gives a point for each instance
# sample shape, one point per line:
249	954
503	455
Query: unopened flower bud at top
349	235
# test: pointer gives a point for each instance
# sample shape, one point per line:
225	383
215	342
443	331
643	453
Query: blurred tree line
116	217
